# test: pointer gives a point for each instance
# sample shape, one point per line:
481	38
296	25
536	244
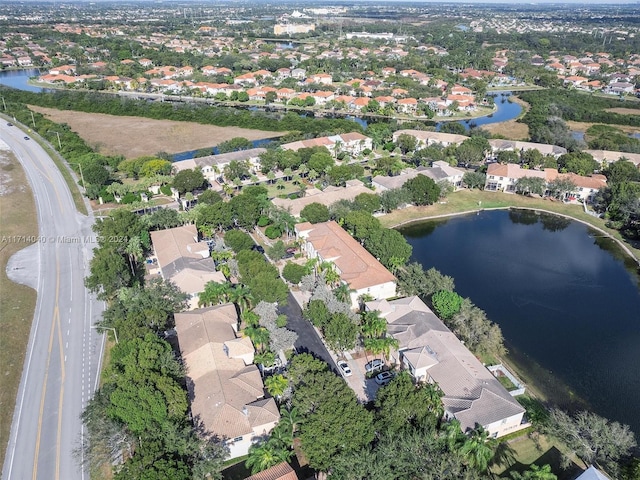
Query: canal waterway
566	297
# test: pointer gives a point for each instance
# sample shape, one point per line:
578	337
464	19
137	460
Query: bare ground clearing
137	136
583	126
624	111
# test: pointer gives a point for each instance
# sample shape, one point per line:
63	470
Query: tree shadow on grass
552	457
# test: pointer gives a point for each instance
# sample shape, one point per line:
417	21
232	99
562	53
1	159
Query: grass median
17	302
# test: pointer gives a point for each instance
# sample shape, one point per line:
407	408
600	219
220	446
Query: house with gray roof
430	352
438	172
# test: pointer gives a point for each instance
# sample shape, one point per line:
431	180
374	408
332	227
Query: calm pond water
19	79
567	300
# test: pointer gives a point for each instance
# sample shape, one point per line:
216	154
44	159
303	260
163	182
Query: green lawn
536	449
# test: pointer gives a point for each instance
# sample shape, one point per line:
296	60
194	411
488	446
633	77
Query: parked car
9	124
374	365
384	378
291	250
344	368
26	138
258	248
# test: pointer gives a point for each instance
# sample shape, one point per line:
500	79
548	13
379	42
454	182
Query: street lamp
99	327
79	165
4	104
59	142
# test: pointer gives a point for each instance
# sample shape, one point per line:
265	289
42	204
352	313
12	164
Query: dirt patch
17	302
511	130
137	136
624	111
583	126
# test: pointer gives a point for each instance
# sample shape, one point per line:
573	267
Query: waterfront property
504	178
431	353
500	145
328	196
439	172
353	143
225	387
329	242
425	138
184	260
212	165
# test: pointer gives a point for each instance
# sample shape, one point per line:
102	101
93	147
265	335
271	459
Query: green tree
341	332
406	143
478	449
293	273
475	180
236	143
446	303
189	181
108	273
315	213
405	406
209	197
423	190
591	437
237	240
388	246
369	202
535	472
581	163
559	187
531	185
361	224
265	455
276	385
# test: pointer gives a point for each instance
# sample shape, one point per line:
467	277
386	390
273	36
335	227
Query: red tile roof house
225	387
503	177
357	267
432	353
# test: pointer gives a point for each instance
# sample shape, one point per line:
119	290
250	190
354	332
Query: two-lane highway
64	352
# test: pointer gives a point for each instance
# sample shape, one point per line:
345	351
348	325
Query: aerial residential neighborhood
347	241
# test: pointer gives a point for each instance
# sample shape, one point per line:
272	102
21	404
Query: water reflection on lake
566	298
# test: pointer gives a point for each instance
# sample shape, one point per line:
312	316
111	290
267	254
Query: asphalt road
62	358
308	339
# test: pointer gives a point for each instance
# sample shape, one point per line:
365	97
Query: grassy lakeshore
470	201
17	302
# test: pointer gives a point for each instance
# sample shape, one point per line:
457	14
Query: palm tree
343	293
276	385
291	418
258	335
271	176
535	472
373	325
214	293
287	173
312	175
265	455
280	184
478	449
303	170
453	435
189	198
133	251
241	296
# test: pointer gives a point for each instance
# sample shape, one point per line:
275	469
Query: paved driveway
308	339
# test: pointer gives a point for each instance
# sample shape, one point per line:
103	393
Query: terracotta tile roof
227	394
282	471
356	265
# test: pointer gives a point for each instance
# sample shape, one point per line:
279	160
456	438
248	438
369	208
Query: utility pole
4	104
59	142
33	120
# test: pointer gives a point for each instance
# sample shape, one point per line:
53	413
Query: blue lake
19	79
567	300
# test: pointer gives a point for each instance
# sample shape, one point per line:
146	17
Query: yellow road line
46	375
57	316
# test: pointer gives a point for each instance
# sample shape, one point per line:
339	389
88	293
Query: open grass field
17	302
473	200
136	136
